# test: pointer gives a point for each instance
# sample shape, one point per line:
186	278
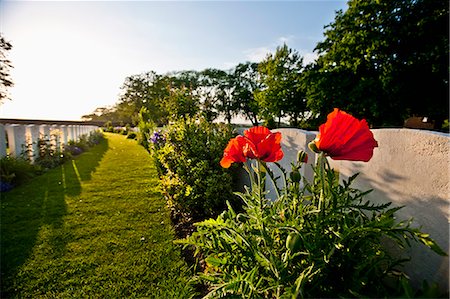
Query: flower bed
323	239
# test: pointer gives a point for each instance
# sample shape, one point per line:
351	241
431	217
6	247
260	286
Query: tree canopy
383	60
282	93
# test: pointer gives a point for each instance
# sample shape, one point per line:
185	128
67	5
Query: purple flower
74	150
157	138
5	186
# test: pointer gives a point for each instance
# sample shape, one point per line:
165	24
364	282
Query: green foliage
383	61
94	138
145	127
283	94
49	154
87	141
246	82
16	171
445	126
182	103
322	240
191	177
108	127
217	88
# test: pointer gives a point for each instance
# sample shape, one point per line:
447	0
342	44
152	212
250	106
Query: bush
83	143
146	127
187	158
107	127
322	240
49	155
72	149
94	138
15	171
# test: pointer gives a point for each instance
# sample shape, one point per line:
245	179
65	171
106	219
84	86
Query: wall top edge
10	121
415	131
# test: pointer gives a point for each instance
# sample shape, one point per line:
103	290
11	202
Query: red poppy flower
233	152
263	144
257	143
343	137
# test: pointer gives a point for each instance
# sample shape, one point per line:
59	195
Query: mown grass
95	227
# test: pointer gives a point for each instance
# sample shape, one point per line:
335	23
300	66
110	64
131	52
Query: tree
5	66
217	94
208	92
182	103
147	90
383	60
246	80
282	94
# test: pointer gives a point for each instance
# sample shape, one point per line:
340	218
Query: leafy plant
49	155
83	143
316	239
322	240
188	161
15	171
145	126
94	138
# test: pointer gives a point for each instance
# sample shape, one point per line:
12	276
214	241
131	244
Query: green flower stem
261	187
274	183
321	165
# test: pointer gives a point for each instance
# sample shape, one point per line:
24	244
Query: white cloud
308	57
257	54
285	39
260	53
229	65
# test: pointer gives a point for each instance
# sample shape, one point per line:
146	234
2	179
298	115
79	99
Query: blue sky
71	57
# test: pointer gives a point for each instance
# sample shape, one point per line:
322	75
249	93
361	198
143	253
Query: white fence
409	168
21	139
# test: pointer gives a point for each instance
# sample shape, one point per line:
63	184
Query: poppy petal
233	152
343	137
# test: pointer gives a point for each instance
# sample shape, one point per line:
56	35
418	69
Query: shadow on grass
35	211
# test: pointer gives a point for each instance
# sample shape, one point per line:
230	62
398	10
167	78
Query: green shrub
107	127
15	171
187	158
146	127
94	138
49	155
323	240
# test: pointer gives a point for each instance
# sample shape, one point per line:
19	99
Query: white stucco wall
411	168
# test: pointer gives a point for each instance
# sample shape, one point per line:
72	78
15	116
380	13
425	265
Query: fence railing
21	137
409	168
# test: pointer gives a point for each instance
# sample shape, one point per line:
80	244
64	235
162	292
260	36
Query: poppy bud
313	147
295	176
293	242
302	157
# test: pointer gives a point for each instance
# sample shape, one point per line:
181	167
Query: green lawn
95	227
